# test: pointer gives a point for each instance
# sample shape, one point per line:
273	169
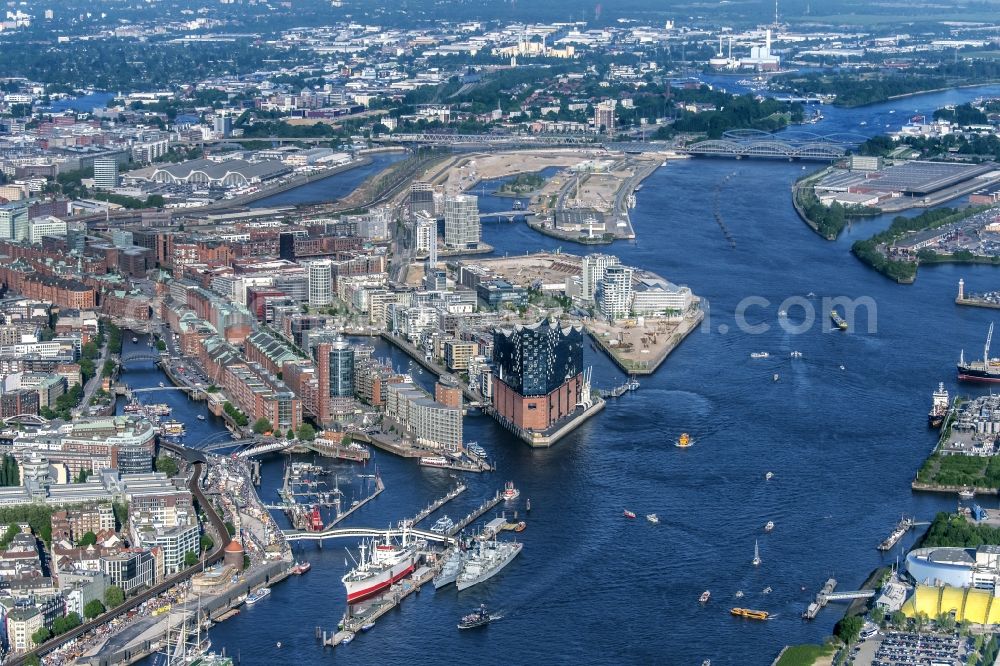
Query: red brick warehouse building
538	374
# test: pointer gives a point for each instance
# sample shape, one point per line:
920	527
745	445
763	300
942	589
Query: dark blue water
144	374
332	188
592	587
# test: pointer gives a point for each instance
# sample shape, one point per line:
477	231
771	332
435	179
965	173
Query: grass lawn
805	655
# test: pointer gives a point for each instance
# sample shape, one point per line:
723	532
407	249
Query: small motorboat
842	368
135	340
348	638
777	376
367	626
769	526
705	596
756	554
769	476
201	417
684	441
759	355
739	594
766	590
796	354
966	493
653	518
628	514
521	526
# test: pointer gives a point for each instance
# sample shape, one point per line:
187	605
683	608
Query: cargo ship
381	565
939	407
750	614
839	321
902	527
987	370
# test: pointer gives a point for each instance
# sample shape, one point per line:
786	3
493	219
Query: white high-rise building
320	282
615	292
594	266
425	232
105	173
462	228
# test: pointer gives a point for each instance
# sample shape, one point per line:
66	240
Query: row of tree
10	475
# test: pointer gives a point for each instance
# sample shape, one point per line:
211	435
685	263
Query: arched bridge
268	447
151	355
793	144
155	389
27	419
361	532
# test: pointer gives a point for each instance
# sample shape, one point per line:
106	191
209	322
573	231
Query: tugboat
477	618
838	320
939	407
684	441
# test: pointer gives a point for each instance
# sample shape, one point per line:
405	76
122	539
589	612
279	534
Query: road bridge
154	389
151	355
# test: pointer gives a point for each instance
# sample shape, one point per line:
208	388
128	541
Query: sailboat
756	554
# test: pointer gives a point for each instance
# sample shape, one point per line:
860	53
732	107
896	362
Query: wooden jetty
437	504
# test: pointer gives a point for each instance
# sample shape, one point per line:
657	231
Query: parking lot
900	648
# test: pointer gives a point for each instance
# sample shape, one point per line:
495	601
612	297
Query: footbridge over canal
362	532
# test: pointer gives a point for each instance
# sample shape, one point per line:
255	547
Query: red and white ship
381	565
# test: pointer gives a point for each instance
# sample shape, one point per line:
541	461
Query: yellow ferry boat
750	614
684	441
